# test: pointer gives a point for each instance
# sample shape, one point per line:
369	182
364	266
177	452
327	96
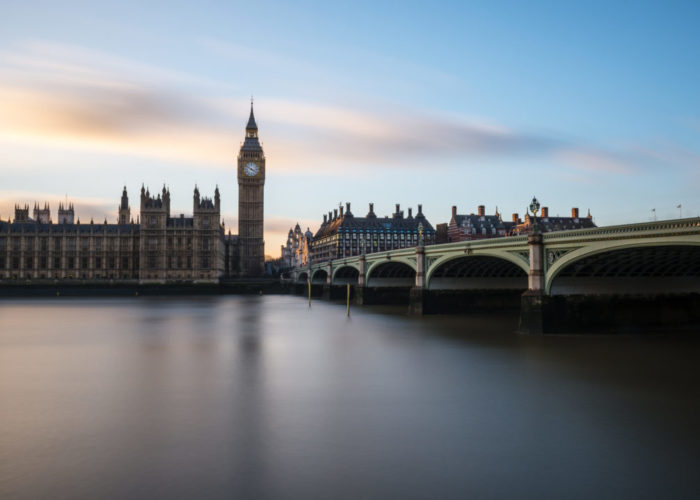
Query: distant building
295	253
481	226
547	223
343	235
478	226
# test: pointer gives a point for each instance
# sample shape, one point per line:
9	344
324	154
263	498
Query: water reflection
262	397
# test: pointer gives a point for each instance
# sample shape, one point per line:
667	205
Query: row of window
44	243
177	262
70	263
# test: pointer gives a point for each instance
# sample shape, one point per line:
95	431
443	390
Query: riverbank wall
121	288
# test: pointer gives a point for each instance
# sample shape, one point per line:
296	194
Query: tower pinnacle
251	121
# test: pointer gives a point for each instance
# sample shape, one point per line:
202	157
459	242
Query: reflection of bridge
646	258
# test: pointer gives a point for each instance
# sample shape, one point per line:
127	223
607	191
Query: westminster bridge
632	274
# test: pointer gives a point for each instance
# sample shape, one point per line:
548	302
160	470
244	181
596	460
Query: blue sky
592	105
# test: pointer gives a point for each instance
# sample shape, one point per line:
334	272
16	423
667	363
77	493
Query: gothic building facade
159	247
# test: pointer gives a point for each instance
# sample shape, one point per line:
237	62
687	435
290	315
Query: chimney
482	210
347	206
335	213
420	209
410	213
341	211
574	213
545	212
371	207
515	218
324	218
454	210
330	216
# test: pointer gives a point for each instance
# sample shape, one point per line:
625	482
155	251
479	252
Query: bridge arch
302	277
391	273
319	276
346	274
629	267
503	265
480	271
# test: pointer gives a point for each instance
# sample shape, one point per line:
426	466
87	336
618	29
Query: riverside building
481	226
343	235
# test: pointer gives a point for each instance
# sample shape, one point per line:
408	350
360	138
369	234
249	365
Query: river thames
264	397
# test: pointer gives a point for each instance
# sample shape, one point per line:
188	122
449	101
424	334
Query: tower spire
251	121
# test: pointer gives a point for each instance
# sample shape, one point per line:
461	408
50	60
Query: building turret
195	197
165	196
66	214
42	215
124	208
21	213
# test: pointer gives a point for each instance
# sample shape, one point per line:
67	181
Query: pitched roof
251	121
373	224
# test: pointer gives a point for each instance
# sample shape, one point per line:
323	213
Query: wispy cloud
591	159
69	96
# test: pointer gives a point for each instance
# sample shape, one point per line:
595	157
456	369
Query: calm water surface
262	397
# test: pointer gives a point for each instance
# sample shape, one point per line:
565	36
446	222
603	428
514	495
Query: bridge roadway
650	259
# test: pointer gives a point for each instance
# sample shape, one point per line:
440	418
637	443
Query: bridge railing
673	226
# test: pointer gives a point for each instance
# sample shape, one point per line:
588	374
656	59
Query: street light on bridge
534	208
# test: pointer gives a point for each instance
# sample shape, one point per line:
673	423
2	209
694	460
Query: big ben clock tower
251	184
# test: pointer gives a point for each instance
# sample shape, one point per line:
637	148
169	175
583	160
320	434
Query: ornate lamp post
534	208
420	234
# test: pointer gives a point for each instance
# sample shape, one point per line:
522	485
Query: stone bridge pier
532	301
416	299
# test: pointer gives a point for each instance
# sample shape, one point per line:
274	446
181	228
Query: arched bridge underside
478	272
641	270
346	274
391	274
319	276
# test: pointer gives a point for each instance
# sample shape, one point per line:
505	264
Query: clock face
251	169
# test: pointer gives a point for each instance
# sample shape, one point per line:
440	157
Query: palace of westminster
159	248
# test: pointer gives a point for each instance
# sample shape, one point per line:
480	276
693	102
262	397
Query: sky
583	104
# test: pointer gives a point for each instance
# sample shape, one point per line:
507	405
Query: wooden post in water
309	282
347	309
